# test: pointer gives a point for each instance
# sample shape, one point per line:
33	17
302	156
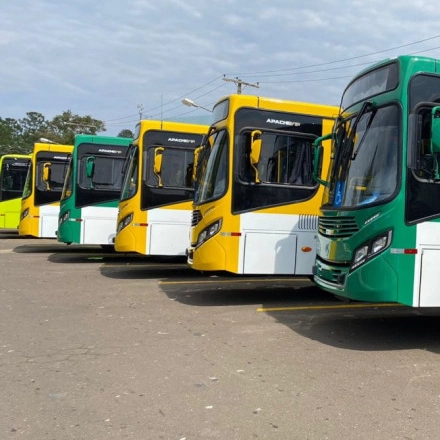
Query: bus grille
308	222
196	216
337	226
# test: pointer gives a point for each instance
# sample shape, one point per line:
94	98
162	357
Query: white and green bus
379	226
92	189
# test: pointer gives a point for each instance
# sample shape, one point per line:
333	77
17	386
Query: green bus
379	226
91	191
13	172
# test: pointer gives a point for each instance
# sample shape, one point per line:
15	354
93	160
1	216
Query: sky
120	61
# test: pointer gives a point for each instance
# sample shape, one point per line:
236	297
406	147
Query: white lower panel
168	231
168	239
269	253
429	294
49	221
278	244
98	225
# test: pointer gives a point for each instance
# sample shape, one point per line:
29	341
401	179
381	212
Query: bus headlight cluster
209	232
125	222
24	214
64	217
371	248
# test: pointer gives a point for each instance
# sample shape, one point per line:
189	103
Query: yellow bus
156	199
13	171
40	204
256	203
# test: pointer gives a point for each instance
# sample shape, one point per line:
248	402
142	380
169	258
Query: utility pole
240	83
140	107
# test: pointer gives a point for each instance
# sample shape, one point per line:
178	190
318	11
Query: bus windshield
176	169
50	172
129	186
106	173
68	181
365	158
27	189
285	158
214	168
13	176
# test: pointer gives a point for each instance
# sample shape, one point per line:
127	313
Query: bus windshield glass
56	176
13	176
106	173
379	80
365	160
213	182
27	189
285	158
130	184
176	169
68	180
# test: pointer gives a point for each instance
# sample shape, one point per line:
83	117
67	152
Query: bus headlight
125	222
209	232
64	217
24	214
371	248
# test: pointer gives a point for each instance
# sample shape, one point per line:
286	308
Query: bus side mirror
435	139
90	166
90	169
255	153
197	152
157	167
318	152
46	174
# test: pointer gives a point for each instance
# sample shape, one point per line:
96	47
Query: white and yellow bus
256	204
157	192
40	204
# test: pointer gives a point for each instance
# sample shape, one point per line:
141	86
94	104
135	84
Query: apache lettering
103	150
280	122
184	141
19	164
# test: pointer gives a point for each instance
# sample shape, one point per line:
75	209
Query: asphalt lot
98	345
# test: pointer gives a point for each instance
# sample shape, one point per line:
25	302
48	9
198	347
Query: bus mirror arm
255	153
318	152
157	167
435	139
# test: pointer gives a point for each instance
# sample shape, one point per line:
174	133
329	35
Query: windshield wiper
349	142
370	120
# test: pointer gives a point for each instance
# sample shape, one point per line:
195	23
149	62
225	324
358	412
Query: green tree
64	127
126	133
19	136
10	137
32	127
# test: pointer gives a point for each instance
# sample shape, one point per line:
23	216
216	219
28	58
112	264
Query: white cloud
104	58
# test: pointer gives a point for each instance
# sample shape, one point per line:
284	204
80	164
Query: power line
273	73
337	61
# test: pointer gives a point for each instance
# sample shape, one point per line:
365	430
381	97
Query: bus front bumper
375	281
209	257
